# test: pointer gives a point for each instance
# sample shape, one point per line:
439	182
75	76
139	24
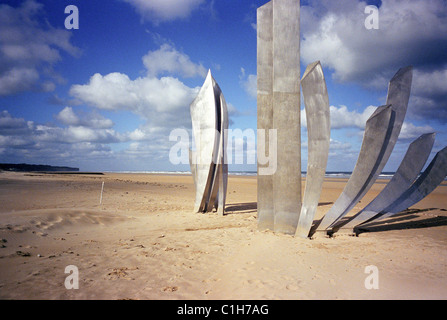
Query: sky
106	95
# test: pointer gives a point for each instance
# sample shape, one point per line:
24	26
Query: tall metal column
286	114
265	113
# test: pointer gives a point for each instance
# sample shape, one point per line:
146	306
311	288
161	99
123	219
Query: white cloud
116	91
85	134
138	134
429	95
342	118
338	145
249	83
25	141
163	103
164	10
410	33
18	132
168	60
67	116
94	120
411	131
10	126
28	45
74	134
17	80
430	83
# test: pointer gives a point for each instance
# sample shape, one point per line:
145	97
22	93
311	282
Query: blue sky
107	95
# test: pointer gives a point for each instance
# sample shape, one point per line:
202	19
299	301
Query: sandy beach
144	242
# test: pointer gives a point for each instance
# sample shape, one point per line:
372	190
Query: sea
329	174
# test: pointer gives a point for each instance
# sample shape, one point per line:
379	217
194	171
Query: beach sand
144	242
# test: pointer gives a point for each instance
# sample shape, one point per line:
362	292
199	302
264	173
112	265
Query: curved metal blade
422	187
316	102
375	139
409	169
398	95
209	118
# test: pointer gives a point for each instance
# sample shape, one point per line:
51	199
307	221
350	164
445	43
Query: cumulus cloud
164	10
168	60
410	131
163	103
338	145
78	130
342	117
79	142
28	45
248	83
410	33
11	126
17	80
146	96
93	120
429	98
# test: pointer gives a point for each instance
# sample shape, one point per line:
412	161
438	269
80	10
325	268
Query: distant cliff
23	167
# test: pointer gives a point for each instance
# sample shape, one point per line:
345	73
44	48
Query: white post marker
102	189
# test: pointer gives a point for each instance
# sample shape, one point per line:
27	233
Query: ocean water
329	174
335	174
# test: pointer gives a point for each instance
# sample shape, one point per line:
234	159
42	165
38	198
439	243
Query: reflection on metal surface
316	102
376	137
278	63
373	155
209	117
278	97
423	186
265	112
286	115
409	169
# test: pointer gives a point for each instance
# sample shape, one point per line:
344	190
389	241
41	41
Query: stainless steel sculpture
423	186
286	114
265	111
209	167
279	195
369	167
316	103
376	136
409	169
279	80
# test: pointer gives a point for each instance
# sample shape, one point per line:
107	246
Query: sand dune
144	242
